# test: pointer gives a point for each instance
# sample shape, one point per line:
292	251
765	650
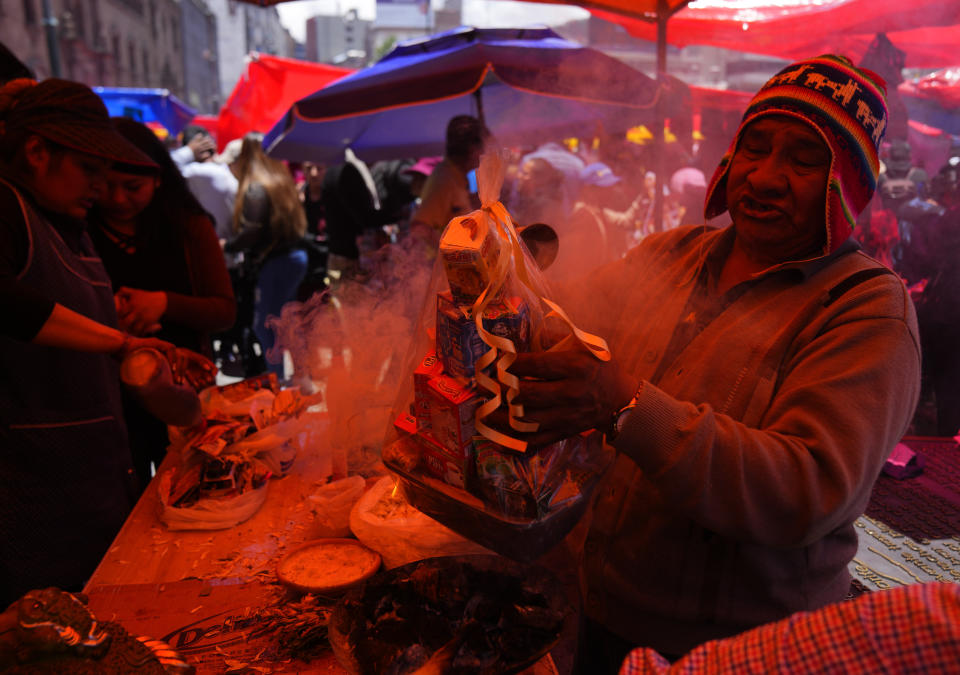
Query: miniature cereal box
429	367
452	409
458	343
452	468
470	251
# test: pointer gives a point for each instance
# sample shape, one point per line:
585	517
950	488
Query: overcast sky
480	13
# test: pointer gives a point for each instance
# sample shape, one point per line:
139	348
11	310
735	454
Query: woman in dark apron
66	478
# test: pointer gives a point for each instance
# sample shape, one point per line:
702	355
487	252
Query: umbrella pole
663	15
479	97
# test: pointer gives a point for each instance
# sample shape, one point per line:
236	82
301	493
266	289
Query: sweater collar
721	241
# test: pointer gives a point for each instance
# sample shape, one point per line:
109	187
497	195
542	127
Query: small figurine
52	631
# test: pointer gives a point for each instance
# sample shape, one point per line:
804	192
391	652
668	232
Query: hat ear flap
715	202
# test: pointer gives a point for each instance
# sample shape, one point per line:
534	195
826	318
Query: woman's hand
566	392
139	311
195	369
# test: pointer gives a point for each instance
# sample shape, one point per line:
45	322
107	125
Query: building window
133	63
29	13
80	20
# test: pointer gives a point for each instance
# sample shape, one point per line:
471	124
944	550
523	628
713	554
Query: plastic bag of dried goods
384	521
332	503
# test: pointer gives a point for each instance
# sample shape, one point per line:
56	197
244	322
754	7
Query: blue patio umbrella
529	85
147	105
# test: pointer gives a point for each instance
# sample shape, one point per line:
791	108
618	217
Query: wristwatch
620	416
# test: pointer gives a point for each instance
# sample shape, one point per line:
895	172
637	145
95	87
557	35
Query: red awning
927	30
265	91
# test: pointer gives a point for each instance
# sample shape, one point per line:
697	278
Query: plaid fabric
847	105
913	629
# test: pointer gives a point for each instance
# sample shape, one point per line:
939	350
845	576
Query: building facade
338	40
201	73
114	43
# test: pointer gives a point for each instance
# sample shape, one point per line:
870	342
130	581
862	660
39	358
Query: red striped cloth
913	629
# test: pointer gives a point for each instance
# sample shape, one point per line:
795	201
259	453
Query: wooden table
200	590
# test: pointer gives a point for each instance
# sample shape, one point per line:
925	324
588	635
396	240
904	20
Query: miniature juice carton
452	409
429	367
458	342
470	251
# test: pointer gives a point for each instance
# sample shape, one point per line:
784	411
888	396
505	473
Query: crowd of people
764	366
912	228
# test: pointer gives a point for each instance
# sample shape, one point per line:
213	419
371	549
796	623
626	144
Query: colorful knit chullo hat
847	106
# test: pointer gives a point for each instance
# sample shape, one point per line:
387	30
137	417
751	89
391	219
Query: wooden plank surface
165	583
145	551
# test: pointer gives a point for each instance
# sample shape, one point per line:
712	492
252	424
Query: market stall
219	597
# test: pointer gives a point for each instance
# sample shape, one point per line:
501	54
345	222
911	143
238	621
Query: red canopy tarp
795	29
265	91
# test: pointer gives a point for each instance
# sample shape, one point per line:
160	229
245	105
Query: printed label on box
452	409
452	468
458	342
430	366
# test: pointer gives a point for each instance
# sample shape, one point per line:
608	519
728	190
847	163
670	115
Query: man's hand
139	311
203	147
566	392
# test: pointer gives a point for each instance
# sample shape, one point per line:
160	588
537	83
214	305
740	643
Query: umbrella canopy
265	91
528	85
147	105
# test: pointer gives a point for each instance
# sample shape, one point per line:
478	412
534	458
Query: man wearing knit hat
761	375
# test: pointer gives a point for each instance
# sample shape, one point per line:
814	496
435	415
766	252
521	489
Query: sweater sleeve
840	403
212	306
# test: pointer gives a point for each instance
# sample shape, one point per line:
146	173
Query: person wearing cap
197	145
761	373
446	193
66	479
214	183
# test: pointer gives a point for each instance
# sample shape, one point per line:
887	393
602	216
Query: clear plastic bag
489	302
206	514
332	503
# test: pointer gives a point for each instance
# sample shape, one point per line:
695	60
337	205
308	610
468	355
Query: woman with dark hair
169	277
270	224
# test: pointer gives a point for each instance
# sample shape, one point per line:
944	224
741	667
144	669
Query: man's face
776	189
68	182
313	174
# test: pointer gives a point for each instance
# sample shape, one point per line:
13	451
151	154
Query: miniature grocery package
489	303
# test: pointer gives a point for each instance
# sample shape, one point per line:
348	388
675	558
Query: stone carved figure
52	631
